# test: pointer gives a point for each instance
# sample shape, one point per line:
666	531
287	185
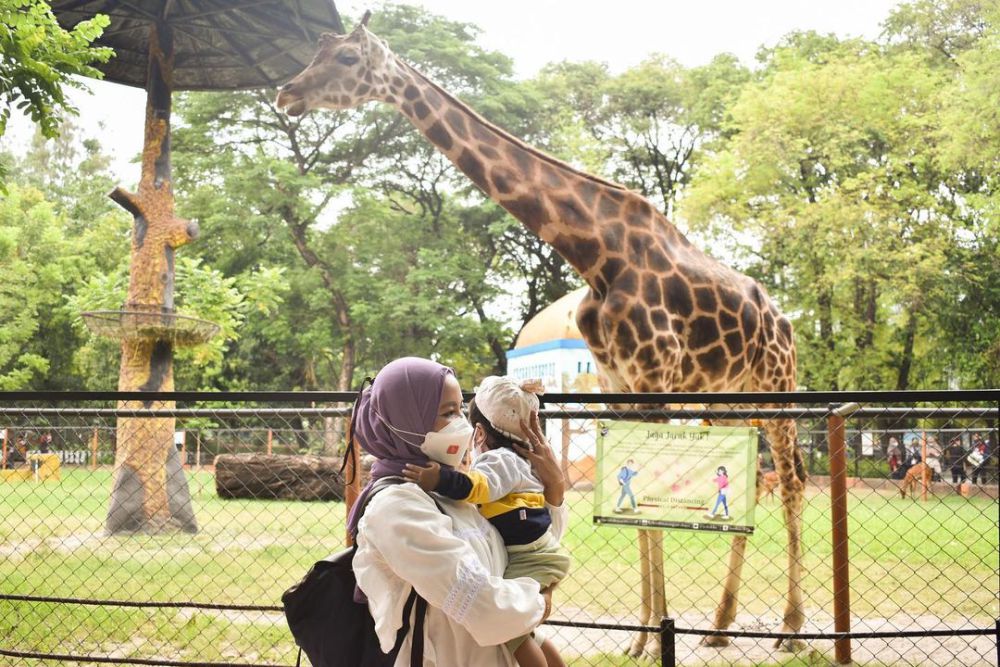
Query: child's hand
426	476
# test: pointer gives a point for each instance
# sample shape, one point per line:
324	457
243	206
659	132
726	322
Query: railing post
93	451
838	500
668	655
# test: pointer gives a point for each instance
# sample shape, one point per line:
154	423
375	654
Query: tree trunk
909	335
825	303
150	491
278	477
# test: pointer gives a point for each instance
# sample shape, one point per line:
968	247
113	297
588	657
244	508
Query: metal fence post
668	656
841	558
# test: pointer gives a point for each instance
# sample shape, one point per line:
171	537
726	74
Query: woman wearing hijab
453	557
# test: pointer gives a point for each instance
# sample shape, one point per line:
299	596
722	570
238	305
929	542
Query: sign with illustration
666	476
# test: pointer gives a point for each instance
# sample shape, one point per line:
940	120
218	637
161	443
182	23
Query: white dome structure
550	346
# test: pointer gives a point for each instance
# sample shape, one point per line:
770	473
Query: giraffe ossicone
661	315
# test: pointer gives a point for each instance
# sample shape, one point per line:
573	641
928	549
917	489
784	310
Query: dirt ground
978	651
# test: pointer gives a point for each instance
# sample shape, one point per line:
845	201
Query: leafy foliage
857	180
39	58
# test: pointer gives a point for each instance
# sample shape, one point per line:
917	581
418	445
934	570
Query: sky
536	32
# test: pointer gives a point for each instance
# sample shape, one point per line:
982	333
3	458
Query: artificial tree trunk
150	492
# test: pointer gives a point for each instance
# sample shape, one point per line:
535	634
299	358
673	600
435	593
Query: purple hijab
406	393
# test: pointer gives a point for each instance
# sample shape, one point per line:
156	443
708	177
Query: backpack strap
417	650
417	647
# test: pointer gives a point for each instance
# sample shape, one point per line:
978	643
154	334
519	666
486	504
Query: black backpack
333	629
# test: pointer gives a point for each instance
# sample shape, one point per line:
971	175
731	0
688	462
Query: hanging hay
149	324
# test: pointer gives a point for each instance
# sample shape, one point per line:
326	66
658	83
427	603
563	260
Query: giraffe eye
347	58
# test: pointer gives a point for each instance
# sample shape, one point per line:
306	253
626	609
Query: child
507	491
722	482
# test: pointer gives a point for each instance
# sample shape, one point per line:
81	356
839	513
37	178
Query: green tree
39	60
352	202
833	184
645	126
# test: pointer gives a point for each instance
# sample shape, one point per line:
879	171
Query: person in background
978	458
892	453
954	458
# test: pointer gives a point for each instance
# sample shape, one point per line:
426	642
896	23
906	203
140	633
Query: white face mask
447	446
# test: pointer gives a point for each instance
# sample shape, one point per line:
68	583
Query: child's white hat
505	402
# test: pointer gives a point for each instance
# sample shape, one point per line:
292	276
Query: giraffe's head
347	71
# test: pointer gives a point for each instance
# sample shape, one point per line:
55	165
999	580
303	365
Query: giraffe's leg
725	613
791	471
658	601
639	641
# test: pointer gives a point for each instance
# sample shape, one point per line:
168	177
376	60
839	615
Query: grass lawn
913	560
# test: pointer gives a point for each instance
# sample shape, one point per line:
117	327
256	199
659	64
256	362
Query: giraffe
660	316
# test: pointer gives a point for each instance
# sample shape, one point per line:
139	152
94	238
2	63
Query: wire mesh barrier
909	575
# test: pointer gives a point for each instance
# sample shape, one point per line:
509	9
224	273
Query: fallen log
278	477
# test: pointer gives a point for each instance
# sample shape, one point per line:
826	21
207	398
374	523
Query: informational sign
665	476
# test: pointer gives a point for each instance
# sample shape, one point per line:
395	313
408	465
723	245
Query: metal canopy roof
218	44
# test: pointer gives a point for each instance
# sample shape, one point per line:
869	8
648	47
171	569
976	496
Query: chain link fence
919	475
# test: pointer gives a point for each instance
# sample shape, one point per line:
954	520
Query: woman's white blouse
456	562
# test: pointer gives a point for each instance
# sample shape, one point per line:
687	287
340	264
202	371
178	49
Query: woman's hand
427	477
543	461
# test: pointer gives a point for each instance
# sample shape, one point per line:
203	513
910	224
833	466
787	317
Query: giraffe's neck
572	211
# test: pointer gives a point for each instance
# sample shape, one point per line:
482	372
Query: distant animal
920	472
768	483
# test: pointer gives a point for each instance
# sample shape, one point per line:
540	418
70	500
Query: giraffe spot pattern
727	321
587	192
607	208
569	211
613	266
713	361
484	135
437	134
637	249
652	295
433	98
552	179
734	343
678	295
612	236
457	123
704	331
640	320
657	260
473	168
705	298
528	210
503	179
524	161
730	299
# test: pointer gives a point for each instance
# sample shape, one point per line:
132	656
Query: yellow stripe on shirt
510	502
